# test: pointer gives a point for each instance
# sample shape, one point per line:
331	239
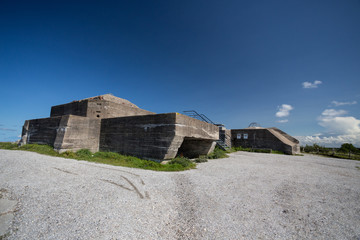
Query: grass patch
111	158
282	153
182	161
8	145
340	155
235	149
201	159
262	150
218	153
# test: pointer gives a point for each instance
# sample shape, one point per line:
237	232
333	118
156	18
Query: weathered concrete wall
75	133
149	136
198	136
262	138
40	131
105	109
157	136
64	133
98	108
111	98
191	127
78	108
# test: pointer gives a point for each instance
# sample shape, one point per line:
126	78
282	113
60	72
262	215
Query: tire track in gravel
65	171
187	224
132	187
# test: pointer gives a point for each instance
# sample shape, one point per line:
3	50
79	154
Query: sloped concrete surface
246	196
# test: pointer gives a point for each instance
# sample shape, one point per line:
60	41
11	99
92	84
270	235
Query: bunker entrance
194	147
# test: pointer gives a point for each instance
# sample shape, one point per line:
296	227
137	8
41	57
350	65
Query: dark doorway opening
194	147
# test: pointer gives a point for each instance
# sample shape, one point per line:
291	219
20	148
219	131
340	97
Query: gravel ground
246	196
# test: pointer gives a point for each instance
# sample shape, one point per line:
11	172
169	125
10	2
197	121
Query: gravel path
246	196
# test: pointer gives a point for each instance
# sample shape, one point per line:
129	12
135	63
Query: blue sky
294	65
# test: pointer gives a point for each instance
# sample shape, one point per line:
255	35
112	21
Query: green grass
111	158
201	158
218	153
235	149
184	162
282	153
340	155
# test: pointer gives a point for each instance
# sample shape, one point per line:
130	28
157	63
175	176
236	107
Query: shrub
348	147
315	149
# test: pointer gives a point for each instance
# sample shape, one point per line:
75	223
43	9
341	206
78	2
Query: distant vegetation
347	151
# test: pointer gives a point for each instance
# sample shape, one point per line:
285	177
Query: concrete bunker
156	136
265	138
108	123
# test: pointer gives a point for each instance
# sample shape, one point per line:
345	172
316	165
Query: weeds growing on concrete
110	158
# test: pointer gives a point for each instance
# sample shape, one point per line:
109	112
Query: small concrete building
109	123
265	138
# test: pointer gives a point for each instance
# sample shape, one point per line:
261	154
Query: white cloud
335	123
339	129
284	110
283	121
332	113
341	125
336	103
311	85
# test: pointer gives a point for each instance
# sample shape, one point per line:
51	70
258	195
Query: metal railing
202	117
